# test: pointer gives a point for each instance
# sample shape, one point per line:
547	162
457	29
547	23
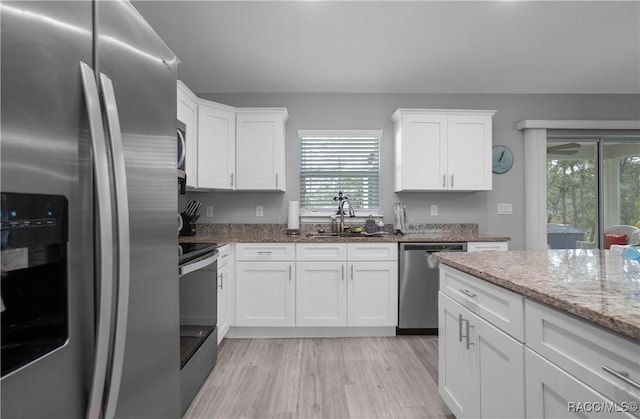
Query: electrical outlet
434	210
505	209
209	212
259	210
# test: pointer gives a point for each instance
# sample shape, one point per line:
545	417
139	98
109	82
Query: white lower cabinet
553	393
265	294
562	367
474	358
372	294
321	294
572	360
225	283
349	291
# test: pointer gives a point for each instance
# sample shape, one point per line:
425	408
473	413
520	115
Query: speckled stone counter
598	286
276	233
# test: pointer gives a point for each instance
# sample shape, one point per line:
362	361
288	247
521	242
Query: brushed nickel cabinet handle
468	293
444	181
452	181
623	375
231	176
468	327
352	272
289	272
276	180
342	271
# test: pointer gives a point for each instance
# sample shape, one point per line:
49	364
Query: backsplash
268	230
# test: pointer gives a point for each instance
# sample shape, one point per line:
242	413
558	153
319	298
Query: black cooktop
190	251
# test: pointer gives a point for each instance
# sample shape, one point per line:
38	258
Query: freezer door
46	150
142	72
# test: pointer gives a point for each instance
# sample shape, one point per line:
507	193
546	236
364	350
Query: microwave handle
104	220
183	149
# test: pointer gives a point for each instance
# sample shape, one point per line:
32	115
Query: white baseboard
297	332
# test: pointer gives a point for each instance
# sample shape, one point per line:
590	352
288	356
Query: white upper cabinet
442	150
187	113
260	149
232	148
216	146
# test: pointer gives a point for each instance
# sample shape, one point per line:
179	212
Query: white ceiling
402	46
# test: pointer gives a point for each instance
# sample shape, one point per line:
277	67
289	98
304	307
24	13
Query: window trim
312	215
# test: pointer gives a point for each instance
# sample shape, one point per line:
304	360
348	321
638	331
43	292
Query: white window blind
332	161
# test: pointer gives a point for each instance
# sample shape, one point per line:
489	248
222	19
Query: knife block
188	225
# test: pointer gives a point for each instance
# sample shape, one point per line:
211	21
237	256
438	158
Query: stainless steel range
198	316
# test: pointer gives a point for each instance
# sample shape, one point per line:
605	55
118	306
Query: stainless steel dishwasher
419	285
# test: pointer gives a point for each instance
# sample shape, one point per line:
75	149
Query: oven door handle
198	263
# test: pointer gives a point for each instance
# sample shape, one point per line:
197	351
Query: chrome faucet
342	200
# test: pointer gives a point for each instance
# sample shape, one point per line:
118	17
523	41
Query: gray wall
373	111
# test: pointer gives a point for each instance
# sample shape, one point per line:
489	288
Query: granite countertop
597	285
275	233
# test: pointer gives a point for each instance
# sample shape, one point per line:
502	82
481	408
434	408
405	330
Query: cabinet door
457	374
421	153
223	298
469	153
216	146
501	395
260	151
187	113
321	294
372	294
552	393
265	294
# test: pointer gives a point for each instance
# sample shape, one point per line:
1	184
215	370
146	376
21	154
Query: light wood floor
364	377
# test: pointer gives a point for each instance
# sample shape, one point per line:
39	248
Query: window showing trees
573	170
332	161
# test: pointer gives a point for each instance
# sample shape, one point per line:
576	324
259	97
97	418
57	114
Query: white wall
373	111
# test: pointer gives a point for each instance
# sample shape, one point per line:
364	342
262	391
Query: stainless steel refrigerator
90	318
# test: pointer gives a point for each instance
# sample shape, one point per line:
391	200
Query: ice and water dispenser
34	277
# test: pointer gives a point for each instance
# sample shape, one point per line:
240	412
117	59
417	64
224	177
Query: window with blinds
332	161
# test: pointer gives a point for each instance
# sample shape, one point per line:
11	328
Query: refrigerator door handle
104	225
123	244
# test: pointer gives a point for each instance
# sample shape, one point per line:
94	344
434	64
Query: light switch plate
505	209
209	212
434	210
259	210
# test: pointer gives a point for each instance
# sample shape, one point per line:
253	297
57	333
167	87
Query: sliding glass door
593	186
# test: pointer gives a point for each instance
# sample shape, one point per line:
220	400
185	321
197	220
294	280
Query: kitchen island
543	334
599	286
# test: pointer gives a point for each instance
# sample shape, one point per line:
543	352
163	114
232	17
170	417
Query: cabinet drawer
265	251
372	251
224	254
321	251
499	306
487	246
585	351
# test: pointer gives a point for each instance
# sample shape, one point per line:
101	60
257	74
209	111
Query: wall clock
502	159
